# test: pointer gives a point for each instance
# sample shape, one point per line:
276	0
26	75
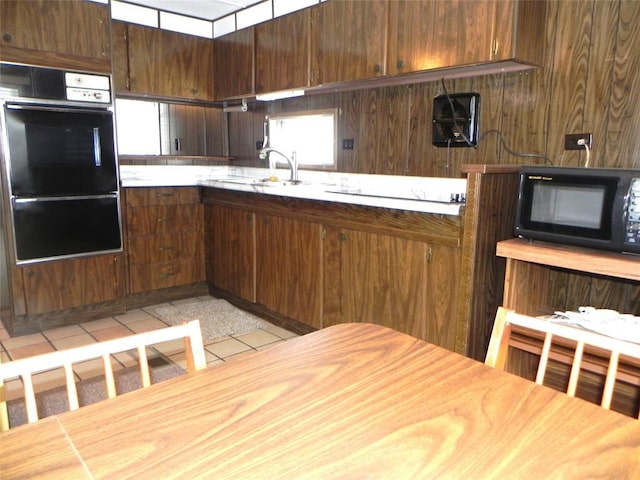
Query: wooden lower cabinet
230	250
299	265
165	238
404	284
289	267
69	283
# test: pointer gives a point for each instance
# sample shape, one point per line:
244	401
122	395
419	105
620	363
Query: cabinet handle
165	194
7	37
343	237
163	219
116	280
166	275
429	255
164	249
178	144
400	63
377	69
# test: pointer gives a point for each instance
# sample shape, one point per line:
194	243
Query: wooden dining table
352	401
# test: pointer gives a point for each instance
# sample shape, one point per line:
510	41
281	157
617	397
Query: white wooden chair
26	367
498	350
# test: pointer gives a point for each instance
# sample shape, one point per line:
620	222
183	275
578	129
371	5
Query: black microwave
588	207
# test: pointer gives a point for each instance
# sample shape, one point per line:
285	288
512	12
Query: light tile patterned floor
135	321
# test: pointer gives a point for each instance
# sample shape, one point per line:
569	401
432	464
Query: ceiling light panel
188	25
203	9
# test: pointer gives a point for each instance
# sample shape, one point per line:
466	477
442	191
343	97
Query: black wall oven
60	163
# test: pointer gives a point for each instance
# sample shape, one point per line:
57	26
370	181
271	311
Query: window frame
334	112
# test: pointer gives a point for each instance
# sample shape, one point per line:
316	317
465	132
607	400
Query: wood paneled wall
590	82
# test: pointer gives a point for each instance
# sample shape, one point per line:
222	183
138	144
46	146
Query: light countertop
443	196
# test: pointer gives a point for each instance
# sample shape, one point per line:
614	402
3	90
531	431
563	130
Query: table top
349	401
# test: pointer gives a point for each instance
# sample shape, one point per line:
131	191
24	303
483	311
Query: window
311	134
138	128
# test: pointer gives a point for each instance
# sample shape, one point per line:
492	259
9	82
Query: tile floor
217	351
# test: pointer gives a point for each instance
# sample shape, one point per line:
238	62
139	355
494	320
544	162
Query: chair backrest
498	350
26	367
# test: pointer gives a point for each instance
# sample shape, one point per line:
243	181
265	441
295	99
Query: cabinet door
72	28
375	278
144	49
229	243
63	284
233	64
348	40
120	60
281	63
187	63
519	32
216	142
443	278
289	267
168	63
186	130
426	34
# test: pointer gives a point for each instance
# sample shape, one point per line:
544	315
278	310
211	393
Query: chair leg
611	380
4	414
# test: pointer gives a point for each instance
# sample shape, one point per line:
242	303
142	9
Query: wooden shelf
573	258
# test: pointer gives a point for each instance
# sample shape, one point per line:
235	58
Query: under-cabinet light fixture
266	97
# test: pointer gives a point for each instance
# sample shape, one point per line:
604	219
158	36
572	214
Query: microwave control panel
632	228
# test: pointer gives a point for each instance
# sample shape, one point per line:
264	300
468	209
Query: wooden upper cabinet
233	68
282	53
427	34
158	62
348	40
120	52
69	34
520	30
187	65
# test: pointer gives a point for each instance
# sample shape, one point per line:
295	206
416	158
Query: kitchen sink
258	182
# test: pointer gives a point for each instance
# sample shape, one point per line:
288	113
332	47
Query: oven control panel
85	87
88	95
24	82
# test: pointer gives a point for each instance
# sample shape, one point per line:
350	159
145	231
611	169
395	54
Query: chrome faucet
292	161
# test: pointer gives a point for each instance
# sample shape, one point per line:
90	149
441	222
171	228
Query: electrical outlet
571	141
348	144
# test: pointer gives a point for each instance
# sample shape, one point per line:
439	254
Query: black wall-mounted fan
457	127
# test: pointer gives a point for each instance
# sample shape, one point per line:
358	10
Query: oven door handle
21	200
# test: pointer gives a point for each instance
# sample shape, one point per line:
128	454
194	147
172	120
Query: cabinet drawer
140	197
153	276
162	248
164	219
